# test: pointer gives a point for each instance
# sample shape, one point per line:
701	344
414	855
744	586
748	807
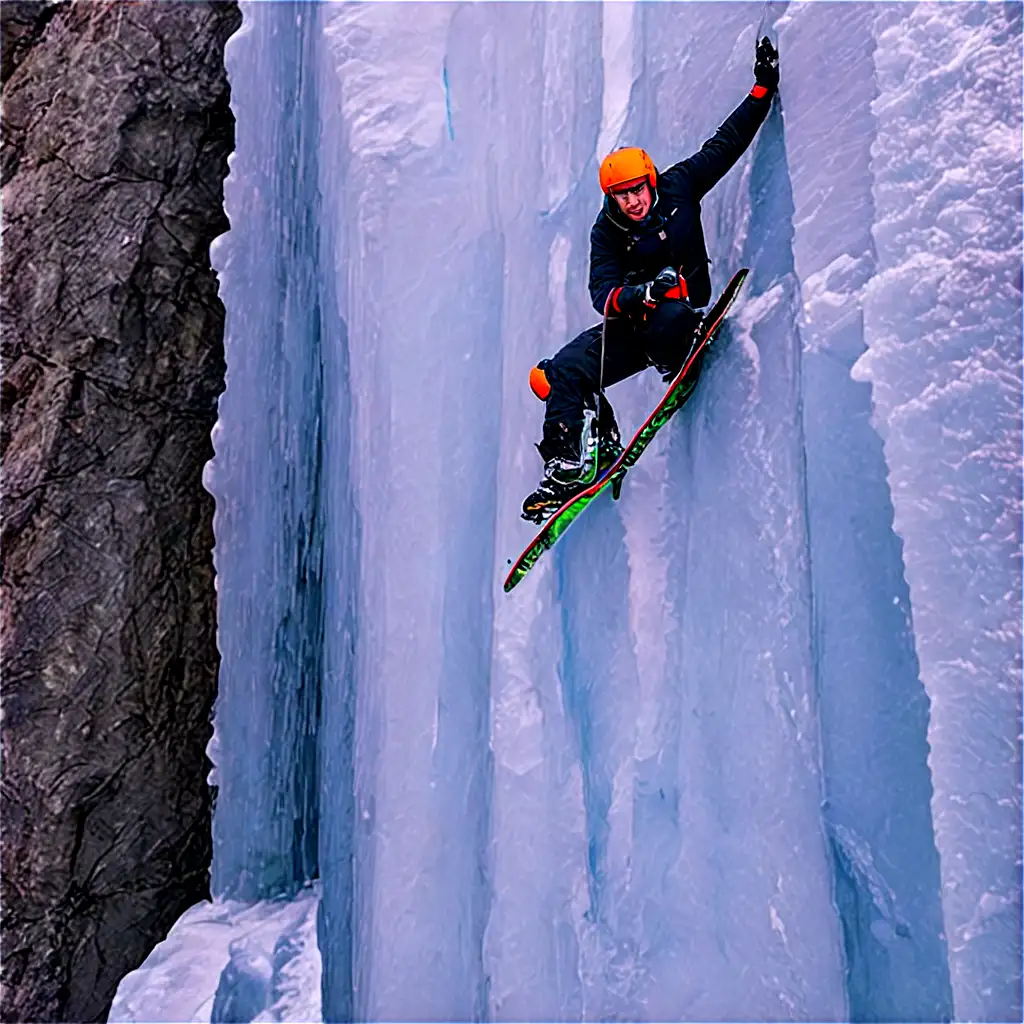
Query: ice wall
873	706
943	324
690	738
689	769
421	257
619	880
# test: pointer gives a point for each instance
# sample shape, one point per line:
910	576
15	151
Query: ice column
267	475
942	325
549	92
409	187
874	710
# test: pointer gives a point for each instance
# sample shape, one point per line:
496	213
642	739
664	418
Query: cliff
116	133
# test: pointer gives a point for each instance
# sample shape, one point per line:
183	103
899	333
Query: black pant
662	339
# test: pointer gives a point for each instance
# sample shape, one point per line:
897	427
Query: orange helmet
627	167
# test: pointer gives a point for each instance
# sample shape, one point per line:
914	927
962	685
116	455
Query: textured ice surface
746	745
873	707
230	961
943	328
268	441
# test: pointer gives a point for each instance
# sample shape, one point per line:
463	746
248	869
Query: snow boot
570	466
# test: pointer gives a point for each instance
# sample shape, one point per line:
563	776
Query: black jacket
631	252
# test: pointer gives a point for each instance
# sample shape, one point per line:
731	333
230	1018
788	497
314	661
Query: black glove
638	298
631	298
766	65
666	285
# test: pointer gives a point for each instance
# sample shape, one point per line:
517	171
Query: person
649	278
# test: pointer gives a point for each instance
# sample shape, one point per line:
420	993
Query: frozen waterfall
746	745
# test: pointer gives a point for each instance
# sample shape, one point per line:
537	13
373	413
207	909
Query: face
634	202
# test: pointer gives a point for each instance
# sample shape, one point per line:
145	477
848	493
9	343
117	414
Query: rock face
116	133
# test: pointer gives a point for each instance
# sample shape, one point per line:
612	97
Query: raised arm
707	167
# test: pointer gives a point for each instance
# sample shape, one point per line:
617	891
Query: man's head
629	177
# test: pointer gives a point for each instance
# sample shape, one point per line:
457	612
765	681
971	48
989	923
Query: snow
230	960
746	745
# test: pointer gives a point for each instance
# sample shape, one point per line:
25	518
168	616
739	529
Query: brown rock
116	134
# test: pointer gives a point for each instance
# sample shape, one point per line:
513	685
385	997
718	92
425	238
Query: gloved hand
667	285
637	298
630	299
766	65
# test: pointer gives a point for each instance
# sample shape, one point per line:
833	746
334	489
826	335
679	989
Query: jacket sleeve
606	272
707	167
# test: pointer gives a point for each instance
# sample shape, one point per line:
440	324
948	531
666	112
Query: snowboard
675	398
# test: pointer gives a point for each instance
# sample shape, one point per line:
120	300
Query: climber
649	278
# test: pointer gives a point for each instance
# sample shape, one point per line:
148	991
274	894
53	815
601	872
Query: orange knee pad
539	384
